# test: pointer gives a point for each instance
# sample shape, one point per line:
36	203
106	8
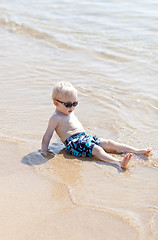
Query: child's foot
145	151
126	160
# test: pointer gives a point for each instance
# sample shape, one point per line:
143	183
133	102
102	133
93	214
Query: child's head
65	97
63	89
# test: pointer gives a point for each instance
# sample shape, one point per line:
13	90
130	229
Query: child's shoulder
56	116
54	120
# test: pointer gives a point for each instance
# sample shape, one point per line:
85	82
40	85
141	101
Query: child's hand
44	154
47	154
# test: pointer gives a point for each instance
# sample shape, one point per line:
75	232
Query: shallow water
108	51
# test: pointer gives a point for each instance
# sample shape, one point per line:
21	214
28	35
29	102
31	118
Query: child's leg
112	146
102	155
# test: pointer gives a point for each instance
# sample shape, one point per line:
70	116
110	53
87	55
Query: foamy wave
33	33
126	216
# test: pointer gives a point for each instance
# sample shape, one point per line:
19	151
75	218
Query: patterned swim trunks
81	144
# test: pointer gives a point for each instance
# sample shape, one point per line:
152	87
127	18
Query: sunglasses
68	104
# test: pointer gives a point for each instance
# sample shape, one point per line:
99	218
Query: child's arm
53	122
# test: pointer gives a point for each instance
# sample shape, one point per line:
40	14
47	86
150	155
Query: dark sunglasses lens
68	105
75	104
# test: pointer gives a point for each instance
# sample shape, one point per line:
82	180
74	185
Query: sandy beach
51	198
35	207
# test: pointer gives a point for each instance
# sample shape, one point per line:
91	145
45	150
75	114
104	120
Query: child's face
65	99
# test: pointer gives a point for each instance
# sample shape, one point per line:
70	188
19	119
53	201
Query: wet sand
52	198
34	207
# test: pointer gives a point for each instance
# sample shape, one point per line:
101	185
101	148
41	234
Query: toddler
72	134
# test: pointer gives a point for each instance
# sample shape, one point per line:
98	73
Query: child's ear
55	103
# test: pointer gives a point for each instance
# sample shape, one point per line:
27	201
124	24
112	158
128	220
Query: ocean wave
111	56
20	28
50	40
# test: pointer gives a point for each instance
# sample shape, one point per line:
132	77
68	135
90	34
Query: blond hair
63	89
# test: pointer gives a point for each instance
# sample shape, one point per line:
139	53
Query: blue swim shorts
81	144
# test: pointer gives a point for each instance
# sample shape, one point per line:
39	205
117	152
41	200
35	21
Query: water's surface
109	51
